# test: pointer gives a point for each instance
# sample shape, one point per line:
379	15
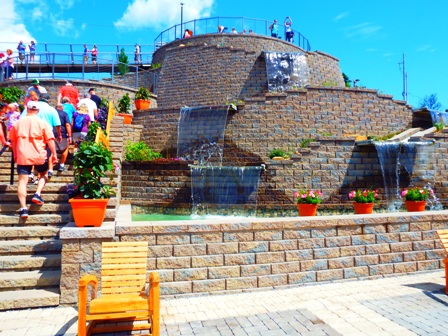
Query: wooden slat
124	266
123	272
120	244
121	260
108	316
124	254
121	290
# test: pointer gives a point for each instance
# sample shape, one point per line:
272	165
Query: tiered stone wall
248	254
212	69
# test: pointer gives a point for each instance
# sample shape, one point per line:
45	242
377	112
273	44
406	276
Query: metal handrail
209	26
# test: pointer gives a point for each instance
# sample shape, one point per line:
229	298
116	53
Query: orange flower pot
363	208
307	209
141	104
127	118
412	206
88	212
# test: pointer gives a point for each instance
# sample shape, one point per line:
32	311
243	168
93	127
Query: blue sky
369	38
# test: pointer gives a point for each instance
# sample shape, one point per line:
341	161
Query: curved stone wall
212	69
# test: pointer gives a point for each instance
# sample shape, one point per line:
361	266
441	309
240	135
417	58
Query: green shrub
276	152
139	151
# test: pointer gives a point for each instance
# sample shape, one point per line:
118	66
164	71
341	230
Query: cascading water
286	70
439	117
221	189
415	157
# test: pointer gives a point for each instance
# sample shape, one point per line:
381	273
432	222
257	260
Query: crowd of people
45	128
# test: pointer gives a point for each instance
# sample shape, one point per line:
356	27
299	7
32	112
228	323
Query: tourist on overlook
30	137
68	107
66	132
91	106
68	90
137	54
21	48
94	52
234	31
85	55
288	29
32	48
8	65
274	28
187	33
37	88
94	97
222	29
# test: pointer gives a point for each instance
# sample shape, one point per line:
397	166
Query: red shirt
70	92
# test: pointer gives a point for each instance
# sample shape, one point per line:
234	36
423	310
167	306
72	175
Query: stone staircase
30	250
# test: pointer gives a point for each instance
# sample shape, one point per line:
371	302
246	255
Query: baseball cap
35	81
32	105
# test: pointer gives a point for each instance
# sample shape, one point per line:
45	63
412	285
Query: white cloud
364	31
161	14
340	16
62	27
13	30
65	4
426	48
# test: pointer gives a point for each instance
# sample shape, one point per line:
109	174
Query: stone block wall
212	69
201	257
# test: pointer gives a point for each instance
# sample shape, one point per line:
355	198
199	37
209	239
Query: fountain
221	189
286	70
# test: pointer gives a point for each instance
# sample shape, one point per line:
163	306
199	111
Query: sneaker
61	168
31	178
50	174
36	180
37	199
23	213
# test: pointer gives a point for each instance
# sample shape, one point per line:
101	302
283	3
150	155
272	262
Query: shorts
93	58
78	136
21	57
86	58
61	146
27	169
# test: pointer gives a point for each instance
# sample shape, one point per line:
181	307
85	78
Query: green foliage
416	194
139	151
123	67
347	80
156	65
142	93
91	163
104	103
439	126
363	196
430	102
124	104
276	152
308	196
330	83
11	94
305	142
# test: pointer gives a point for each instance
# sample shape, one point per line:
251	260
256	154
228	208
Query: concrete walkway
413	304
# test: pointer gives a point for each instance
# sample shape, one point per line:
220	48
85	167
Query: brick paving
413	304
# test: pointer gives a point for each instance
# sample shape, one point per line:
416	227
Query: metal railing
210	26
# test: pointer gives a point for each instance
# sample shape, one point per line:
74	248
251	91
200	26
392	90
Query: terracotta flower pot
307	209
363	208
127	118
412	206
141	104
88	212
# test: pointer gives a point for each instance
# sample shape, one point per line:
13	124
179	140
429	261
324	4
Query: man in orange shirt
68	90
30	137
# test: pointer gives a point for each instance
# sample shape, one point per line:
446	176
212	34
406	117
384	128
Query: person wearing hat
68	90
94	97
36	87
137	54
30	137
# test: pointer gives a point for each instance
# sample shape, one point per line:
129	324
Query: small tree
123	66
347	80
430	102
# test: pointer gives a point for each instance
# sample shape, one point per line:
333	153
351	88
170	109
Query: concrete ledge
71	231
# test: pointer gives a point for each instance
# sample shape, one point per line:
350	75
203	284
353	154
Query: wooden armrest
83	284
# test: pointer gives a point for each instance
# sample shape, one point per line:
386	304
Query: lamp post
181	18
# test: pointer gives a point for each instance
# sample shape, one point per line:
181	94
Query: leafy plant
139	151
439	126
276	152
363	196
142	93
124	104
308	196
305	142
416	194
156	65
92	161
123	65
10	95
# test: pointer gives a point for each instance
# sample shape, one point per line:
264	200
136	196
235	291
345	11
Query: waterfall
286	70
221	189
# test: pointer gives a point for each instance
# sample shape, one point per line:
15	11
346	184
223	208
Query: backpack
78	122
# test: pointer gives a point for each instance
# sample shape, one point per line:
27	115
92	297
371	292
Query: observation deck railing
210	26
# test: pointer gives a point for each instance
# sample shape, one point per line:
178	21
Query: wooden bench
123	295
443	235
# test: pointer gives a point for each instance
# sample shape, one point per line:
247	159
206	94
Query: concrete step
29	298
53	219
50	187
29	247
29	263
55	178
36	209
53	198
29	232
29	279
